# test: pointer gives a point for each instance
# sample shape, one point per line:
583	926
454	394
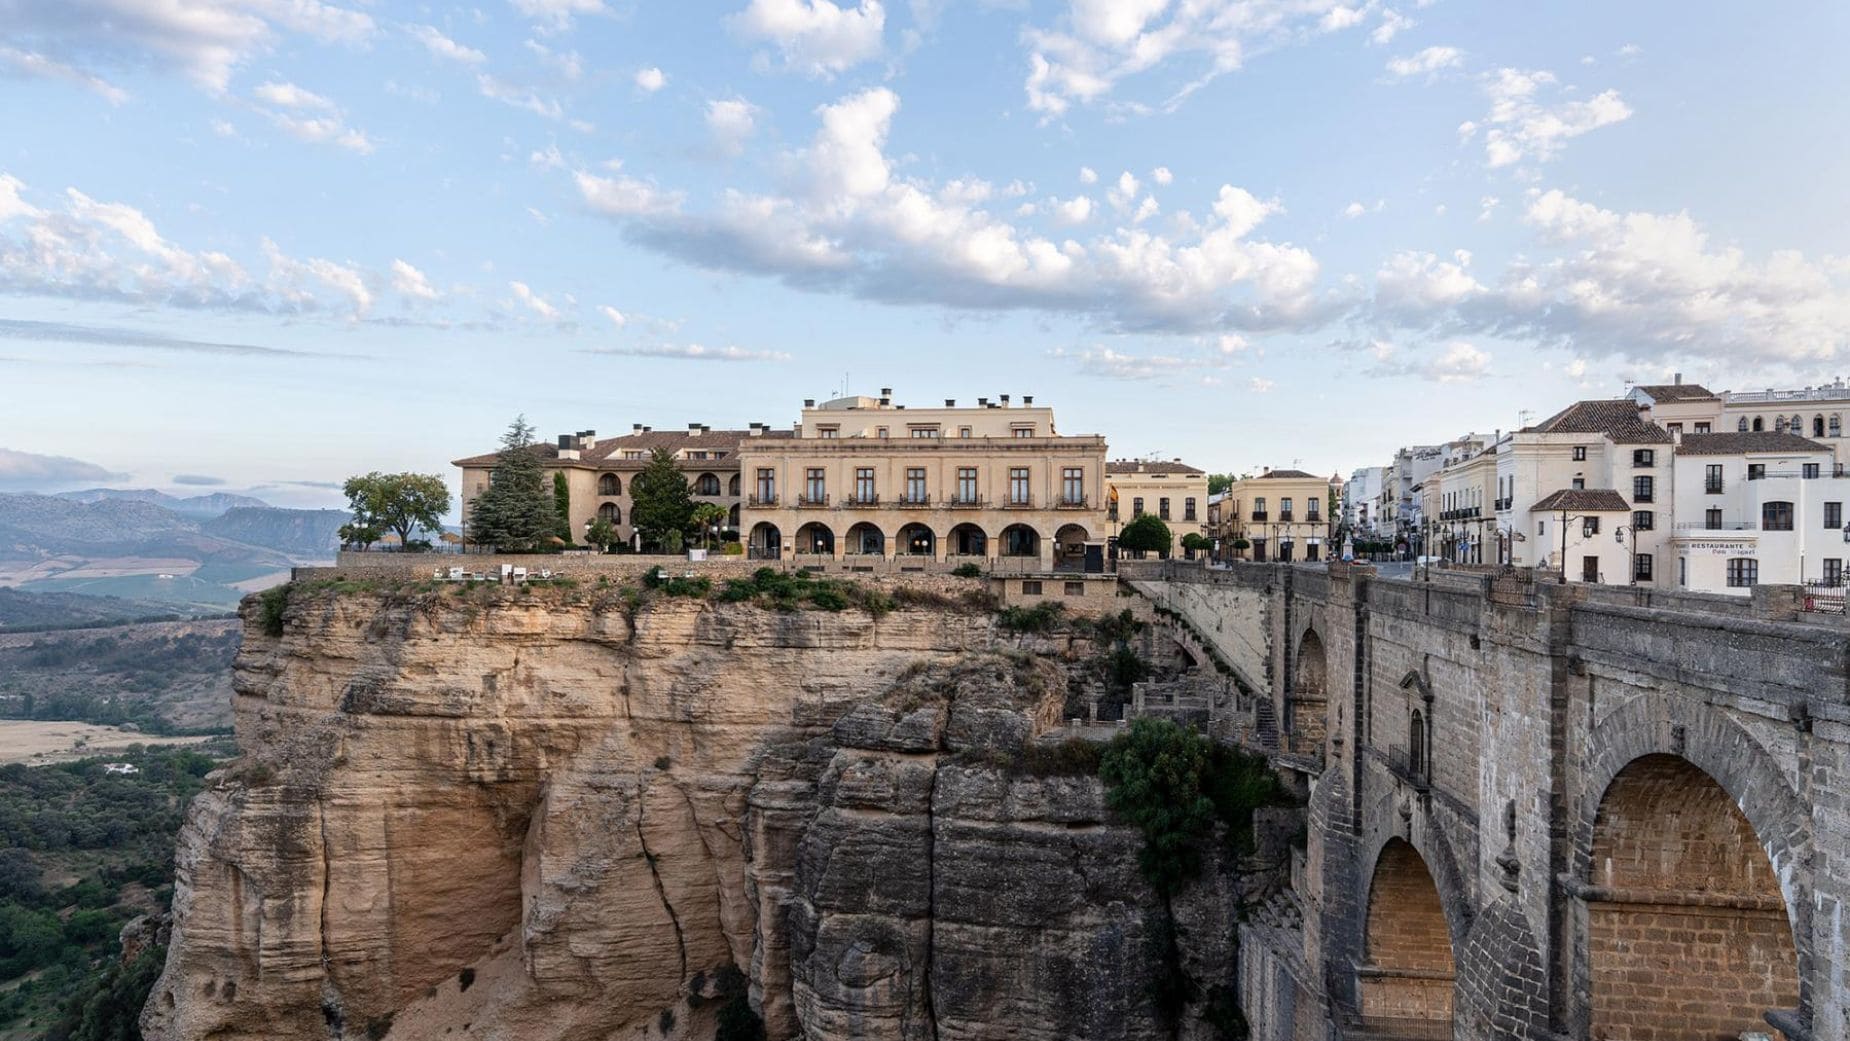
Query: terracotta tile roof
1679	392
609	453
1583	500
1752	441
1138	466
1617	418
1293	474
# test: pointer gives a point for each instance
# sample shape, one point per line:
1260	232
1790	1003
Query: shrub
1037	619
273	602
968	571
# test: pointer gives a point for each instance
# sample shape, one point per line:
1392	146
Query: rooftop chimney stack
1679	379
886	392
635	428
982	402
693	430
809	402
1026	400
1005	401
950	402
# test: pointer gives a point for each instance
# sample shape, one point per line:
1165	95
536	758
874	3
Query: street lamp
1618	536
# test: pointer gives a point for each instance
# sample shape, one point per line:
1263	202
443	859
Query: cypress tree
514	512
562	504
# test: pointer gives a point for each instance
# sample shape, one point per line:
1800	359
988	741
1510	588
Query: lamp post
1618	535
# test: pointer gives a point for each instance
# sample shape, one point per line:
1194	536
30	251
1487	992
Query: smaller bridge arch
1407	977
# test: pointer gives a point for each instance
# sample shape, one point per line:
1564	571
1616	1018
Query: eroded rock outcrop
555	815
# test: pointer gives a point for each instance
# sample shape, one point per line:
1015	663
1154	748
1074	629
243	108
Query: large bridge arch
1407	975
1681	811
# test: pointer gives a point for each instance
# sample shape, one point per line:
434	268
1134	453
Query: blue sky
270	243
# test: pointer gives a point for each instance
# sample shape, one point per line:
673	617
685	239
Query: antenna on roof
1522	417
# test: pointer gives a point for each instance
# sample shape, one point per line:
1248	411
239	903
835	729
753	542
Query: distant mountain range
212	505
148	546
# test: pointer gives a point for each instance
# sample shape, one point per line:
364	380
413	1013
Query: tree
1146	534
1218	483
361	535
707	517
660	501
602	534
562	504
1193	543
403	503
514	512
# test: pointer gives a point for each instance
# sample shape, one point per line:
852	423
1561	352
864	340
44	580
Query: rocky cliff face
541	816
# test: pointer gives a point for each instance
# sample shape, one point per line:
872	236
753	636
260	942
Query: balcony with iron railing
1284	516
762	500
1259	515
912	502
862	499
1712	487
965	502
1072	503
807	501
1018	502
1725	525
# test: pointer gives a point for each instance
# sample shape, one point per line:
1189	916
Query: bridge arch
1408	975
1689	824
1310	692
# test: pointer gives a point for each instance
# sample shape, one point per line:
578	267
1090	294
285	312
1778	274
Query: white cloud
205	40
1124	192
1457	362
410	282
1393	23
1076	210
1084	55
223	128
1354	210
288	95
30	472
568	64
1487	207
617	318
849	222
519	97
693	352
1115	365
731	121
1230	343
815	36
1162	176
1087	175
31	63
1520	126
533	301
557	15
1426	62
1260	385
443	47
651	79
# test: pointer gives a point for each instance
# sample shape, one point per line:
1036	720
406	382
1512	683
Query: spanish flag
1111	502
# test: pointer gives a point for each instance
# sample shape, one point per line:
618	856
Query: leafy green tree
1218	483
514	512
562	504
661	501
602	534
402	503
1146	534
708	517
361	535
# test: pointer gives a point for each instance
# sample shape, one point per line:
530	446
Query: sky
261	245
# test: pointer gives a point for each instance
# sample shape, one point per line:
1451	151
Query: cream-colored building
598	470
1284	514
862	477
1173	490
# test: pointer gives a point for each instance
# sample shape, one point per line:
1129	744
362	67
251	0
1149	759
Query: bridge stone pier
1541	811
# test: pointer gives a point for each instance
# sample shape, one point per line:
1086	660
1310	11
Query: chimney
1679	380
648	430
1026	400
982	402
693	430
567	441
1005	401
635	428
950	402
757	429
886	392
884	399
809	402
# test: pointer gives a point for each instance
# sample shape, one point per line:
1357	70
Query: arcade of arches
1406	981
1067	549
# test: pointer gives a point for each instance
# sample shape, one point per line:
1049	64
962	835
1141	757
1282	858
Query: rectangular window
924	431
828	432
1833	571
1188	508
1580	453
1018	486
1137	506
1022	431
882	433
1712	520
1580	483
1589	527
1645	457
864	484
1776	516
1683	571
1833	515
1284	509
1073	486
1259	508
1031	587
1705	428
1075	589
1756	471
1743	572
1643	488
1674	428
1809	471
963	431
915	484
815	488
1644	520
966	485
1313	510
1712	479
767	485
1162	507
1643	567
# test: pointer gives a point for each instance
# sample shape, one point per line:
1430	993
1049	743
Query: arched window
1779	425
607	484
708	484
1798	424
1759	423
733	488
1817	426
1742	425
609	512
1837	426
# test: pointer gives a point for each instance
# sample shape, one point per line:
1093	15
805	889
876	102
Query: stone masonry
1542	812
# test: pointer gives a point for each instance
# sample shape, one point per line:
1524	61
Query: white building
1361	496
1759	507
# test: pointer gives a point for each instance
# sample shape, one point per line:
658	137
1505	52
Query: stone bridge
1541	811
